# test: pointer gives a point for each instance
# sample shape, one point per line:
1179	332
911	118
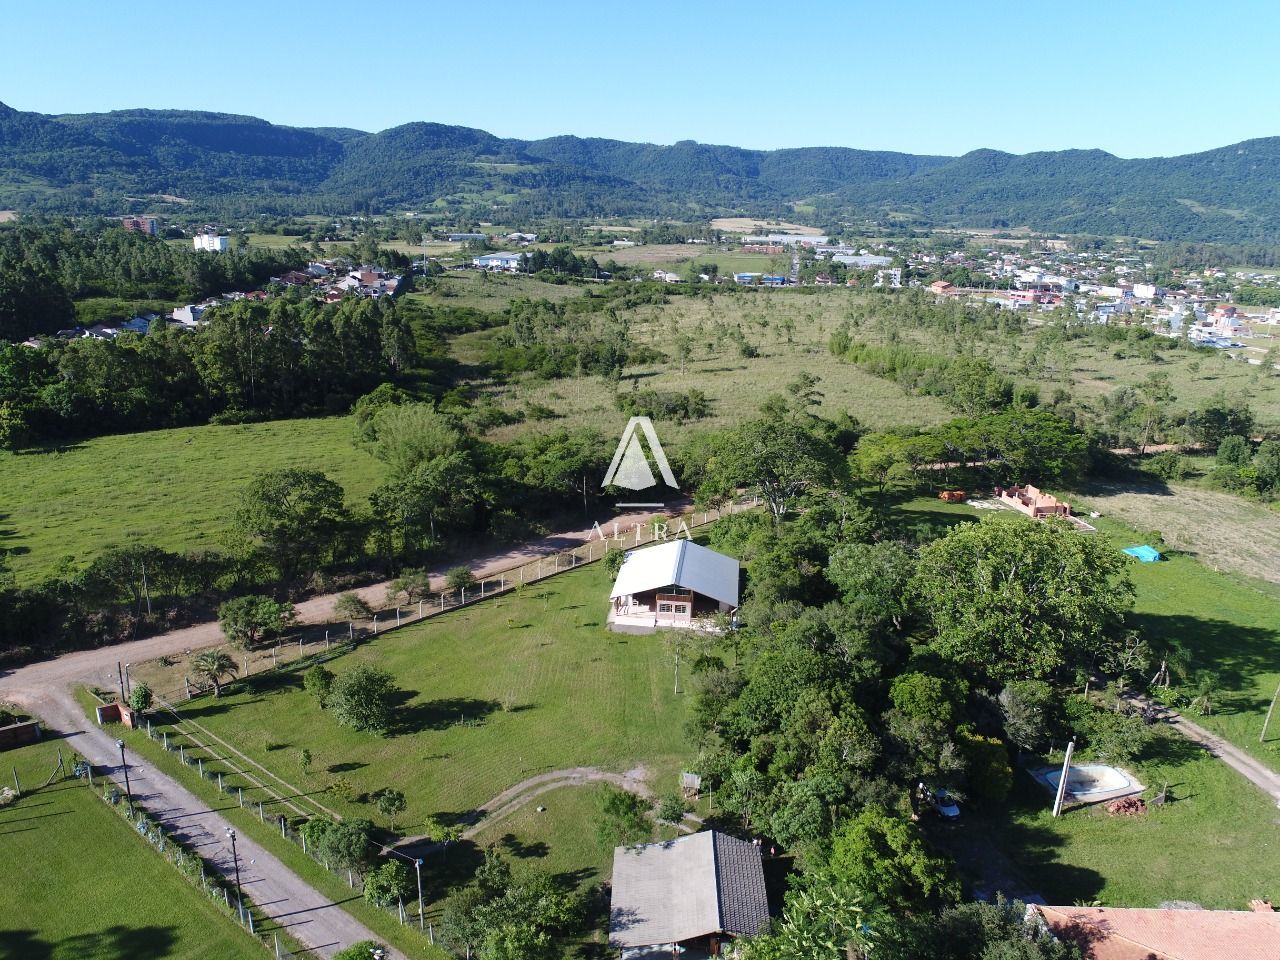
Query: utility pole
1062	780
1270	710
128	793
417	865
235	859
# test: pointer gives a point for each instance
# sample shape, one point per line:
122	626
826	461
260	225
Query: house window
664	608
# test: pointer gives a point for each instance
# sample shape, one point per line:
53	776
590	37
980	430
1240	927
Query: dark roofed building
692	893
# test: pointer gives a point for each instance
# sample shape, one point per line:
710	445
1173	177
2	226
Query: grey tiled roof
690	887
744	904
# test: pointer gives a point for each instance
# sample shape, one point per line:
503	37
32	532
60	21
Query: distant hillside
227	164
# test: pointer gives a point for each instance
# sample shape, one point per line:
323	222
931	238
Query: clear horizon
946	80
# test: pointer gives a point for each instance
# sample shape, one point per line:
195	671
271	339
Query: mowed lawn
495	693
173	488
1226	625
79	884
1217	843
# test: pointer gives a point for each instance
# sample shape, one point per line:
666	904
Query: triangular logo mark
630	467
633	472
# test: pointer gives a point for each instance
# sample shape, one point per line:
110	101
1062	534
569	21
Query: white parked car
946	805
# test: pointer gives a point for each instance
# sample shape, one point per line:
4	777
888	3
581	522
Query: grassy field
173	488
1221	530
789	331
493	694
674	256
753	225
1217	843
493	291
80	885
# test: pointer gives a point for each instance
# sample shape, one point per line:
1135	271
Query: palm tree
214	665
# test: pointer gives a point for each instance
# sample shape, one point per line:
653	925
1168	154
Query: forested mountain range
227	165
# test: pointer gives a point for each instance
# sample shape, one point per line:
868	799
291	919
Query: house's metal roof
680	889
679	563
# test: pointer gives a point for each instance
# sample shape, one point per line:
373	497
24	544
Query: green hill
223	163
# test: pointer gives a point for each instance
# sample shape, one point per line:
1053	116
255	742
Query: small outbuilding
675	584
685	897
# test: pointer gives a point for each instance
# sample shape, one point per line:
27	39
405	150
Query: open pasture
173	488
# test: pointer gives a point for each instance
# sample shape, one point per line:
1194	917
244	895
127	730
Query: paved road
312	919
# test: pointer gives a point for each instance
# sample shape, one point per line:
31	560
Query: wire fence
162	839
335	638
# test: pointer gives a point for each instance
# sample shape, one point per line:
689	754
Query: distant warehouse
504	262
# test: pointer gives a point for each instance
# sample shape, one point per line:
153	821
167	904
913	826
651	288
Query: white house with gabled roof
674	584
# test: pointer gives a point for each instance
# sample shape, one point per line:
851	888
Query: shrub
360	951
672	808
459	578
363	698
387	884
1169	465
319	683
350	606
141	697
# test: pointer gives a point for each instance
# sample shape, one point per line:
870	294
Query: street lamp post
417	865
128	681
235	860
124	766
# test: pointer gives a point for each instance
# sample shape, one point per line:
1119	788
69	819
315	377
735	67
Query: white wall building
212	242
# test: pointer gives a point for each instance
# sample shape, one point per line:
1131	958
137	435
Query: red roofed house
942	288
1115	933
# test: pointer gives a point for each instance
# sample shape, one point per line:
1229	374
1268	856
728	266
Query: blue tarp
1144	553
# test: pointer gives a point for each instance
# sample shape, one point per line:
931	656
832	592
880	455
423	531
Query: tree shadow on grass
525	851
214	707
438	714
346	767
1236	653
1003	849
113	943
570	880
1167	747
451	866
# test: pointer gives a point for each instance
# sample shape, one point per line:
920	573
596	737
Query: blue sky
1133	77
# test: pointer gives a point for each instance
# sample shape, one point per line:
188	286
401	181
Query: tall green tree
214	665
295	516
1010	598
364	699
780	459
887	858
